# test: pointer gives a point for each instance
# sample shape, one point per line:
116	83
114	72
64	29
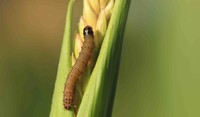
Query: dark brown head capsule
87	31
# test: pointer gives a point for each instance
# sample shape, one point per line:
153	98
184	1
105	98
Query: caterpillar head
87	31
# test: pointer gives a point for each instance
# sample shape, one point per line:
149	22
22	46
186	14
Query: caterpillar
79	67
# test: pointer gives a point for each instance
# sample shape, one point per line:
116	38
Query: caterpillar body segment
79	67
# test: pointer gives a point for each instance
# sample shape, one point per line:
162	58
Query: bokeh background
160	63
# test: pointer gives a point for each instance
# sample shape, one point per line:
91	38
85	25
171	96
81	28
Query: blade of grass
57	109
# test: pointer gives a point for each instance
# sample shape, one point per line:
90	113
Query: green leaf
57	108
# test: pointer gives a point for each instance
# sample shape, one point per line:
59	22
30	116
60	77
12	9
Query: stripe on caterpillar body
79	67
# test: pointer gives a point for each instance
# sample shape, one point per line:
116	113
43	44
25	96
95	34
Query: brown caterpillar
79	67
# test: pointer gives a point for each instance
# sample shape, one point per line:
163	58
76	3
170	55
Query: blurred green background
160	63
